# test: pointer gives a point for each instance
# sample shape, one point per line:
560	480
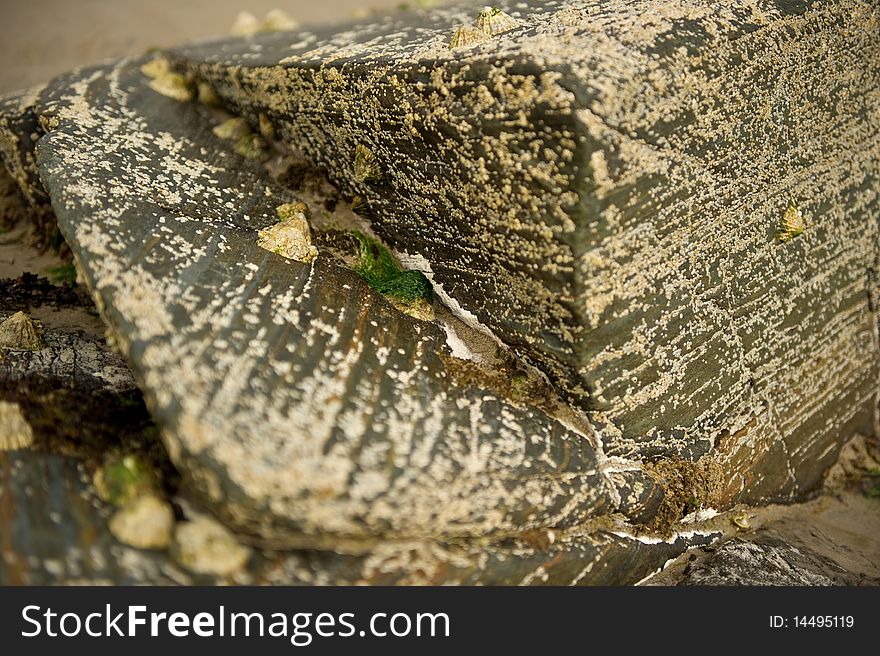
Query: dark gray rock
54	531
601	186
767	559
300	404
604	186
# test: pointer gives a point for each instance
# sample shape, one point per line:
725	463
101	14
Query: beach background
43	38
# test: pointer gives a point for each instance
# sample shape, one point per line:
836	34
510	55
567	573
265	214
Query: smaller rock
205	546
15	431
145	522
291	238
22	333
123	478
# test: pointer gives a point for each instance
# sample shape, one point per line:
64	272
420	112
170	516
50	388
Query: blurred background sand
43	38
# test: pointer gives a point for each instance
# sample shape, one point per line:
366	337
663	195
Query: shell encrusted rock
599	188
603	187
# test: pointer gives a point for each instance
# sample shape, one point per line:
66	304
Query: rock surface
768	560
592	186
604	185
55	531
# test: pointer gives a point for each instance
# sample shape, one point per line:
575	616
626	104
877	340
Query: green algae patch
377	266
122	478
64	274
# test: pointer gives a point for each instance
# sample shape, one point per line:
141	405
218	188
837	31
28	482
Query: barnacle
165	81
291	237
366	167
792	224
174	86
742	520
22	333
145	522
276	20
467	36
492	21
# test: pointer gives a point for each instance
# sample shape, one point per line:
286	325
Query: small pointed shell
792	224
492	21
278	21
467	36
15	431
291	237
173	85
366	167
246	24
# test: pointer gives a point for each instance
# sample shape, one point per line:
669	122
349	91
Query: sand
43	38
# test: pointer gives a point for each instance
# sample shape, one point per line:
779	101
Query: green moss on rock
377	266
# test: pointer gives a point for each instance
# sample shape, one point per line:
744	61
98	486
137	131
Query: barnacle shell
291	237
366	168
467	36
742	520
792	224
493	21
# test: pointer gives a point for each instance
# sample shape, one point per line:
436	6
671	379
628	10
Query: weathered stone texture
301	405
54	530
603	186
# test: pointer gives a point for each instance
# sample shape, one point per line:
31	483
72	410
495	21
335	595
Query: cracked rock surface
596	194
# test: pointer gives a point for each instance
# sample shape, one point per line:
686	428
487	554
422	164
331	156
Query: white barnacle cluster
290	237
492	21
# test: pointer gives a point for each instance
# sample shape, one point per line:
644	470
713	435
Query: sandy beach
43	38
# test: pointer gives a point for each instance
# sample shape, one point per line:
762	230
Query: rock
75	393
768	560
55	529
21	333
15	431
677	315
604	185
300	405
145	522
56	532
205	546
19	131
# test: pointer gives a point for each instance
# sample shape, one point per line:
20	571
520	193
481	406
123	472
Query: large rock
299	403
603	186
